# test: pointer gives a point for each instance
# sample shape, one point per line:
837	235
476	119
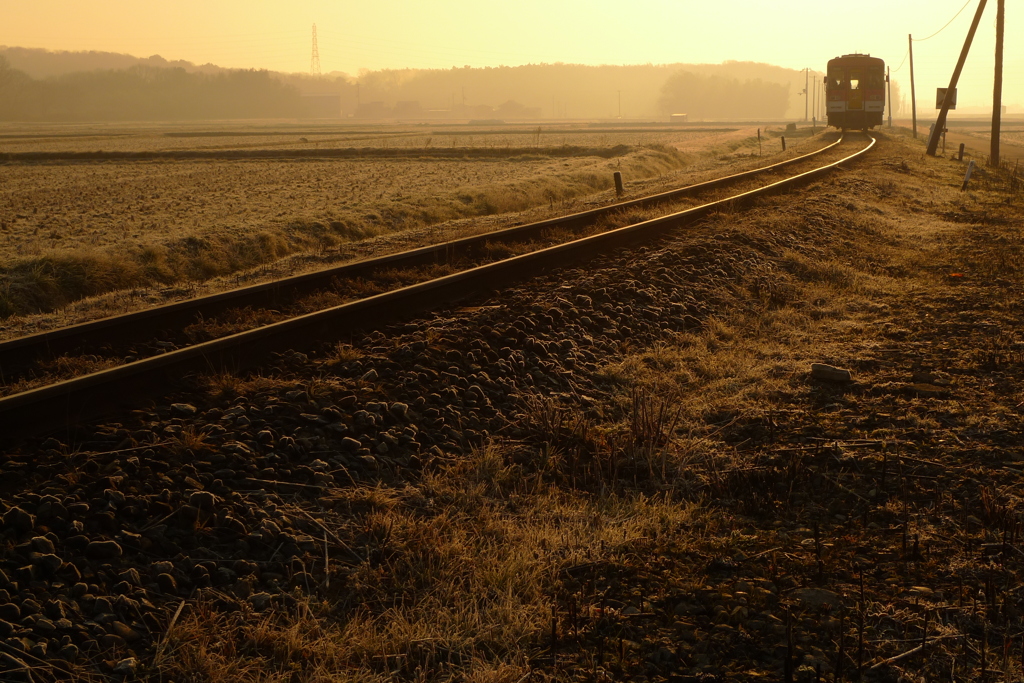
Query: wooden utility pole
997	92
888	83
814	100
940	123
807	92
913	93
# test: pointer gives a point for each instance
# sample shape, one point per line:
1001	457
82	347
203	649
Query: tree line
155	89
142	93
715	97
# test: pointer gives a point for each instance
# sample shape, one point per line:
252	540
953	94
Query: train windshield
835	78
855	78
876	79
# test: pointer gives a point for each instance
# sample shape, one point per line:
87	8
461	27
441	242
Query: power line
920	40
901	63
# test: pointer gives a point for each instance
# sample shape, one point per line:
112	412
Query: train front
855	91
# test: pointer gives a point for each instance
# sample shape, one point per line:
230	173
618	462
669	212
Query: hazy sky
275	34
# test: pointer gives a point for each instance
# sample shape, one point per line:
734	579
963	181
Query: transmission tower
314	63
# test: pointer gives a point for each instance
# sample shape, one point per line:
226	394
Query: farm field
139	231
22	139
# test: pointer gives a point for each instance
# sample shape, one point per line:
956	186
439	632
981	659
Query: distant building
372	110
678	118
479	111
408	109
514	110
321	106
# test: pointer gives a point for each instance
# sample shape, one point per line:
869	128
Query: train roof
857	59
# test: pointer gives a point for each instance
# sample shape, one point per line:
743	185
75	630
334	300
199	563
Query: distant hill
39	63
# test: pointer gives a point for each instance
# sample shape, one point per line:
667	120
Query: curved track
59	406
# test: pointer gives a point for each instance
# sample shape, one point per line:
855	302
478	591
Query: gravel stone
167	583
829	373
44	626
19	520
16	644
816	597
69	652
203	500
260	601
103	550
183	409
41	544
126	667
125	631
47	564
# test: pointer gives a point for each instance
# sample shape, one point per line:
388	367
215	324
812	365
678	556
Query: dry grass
464	568
78	231
54	280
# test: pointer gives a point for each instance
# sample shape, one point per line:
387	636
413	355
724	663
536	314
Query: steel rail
60	406
16	355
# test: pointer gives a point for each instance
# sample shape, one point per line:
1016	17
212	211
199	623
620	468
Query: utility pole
888	83
997	91
913	94
814	107
807	93
940	123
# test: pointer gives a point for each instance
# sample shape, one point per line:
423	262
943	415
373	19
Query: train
855	92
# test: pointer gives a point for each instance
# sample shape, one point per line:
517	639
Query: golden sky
275	34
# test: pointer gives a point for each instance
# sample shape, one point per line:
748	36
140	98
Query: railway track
60	405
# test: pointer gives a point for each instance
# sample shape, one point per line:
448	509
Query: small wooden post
967	177
758	142
618	183
888	84
783	143
960	156
913	94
